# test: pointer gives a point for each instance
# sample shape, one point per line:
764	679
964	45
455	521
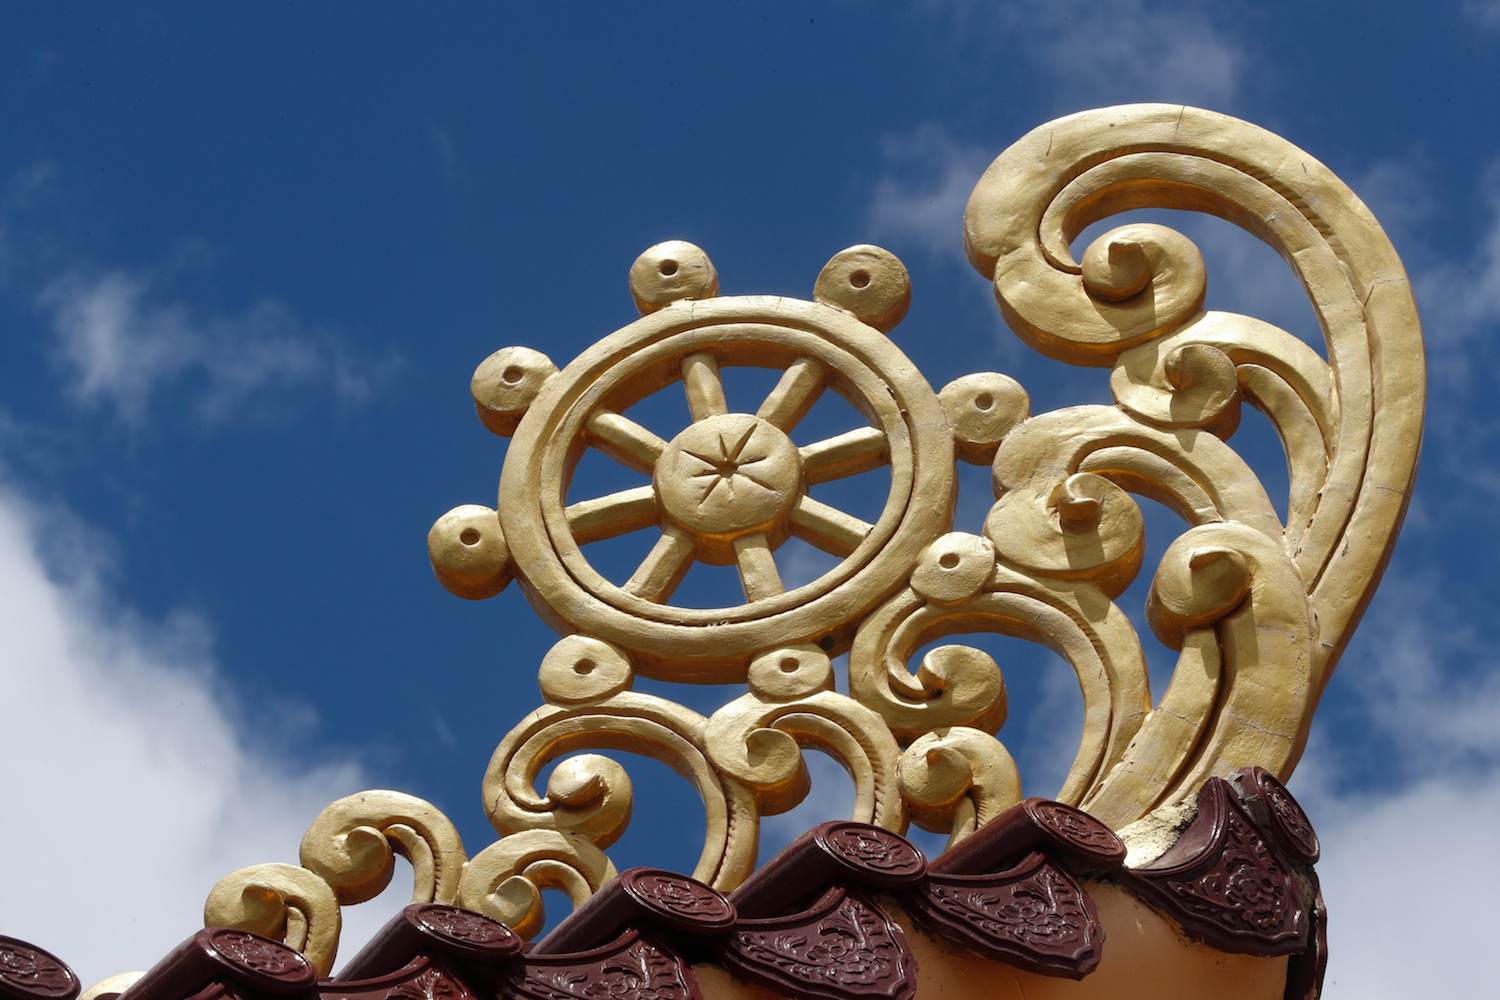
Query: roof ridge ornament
1258	610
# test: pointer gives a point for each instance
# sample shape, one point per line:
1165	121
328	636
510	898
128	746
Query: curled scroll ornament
348	856
1259	610
758	738
1132	287
505	880
353	842
280	901
957	779
587	681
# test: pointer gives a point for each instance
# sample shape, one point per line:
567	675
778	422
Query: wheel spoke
794	395
625	441
829	528
845	455
757	567
705	393
664	566
616	514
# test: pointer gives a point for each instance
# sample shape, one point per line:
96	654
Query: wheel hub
728	476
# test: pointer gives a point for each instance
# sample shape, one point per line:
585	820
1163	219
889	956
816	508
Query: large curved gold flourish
1072	617
1350	427
1132	286
1231	600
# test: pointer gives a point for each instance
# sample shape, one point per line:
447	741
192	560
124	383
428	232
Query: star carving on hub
726	477
730	461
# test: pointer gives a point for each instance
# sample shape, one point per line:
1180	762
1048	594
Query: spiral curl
353	842
280	901
758	741
505	880
956	780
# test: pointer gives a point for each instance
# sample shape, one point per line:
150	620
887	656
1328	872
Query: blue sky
250	256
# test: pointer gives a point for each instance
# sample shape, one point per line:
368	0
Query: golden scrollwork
348	855
588	683
1257	610
956	779
1067	174
353	843
505	880
280	901
963	686
757	738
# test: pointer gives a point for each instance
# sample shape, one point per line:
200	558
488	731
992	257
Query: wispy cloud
17	195
1429	689
1387	912
1090	54
925	181
1399	191
1428	711
1486	13
122	343
131	753
132	774
123	340
450	160
1132	50
1457	285
1461	298
832	797
1137	50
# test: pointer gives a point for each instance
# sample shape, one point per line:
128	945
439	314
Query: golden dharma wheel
731	486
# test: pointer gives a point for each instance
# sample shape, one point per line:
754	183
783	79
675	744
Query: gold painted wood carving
1258	610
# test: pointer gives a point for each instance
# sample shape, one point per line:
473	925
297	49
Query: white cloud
1136	51
925	181
131	785
450	160
121	345
832	797
1398	190
17	195
1457	286
1093	54
1401	915
1117	53
1434	687
1461	298
1484	12
1407	888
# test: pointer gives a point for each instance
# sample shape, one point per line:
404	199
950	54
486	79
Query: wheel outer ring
556	467
715	645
